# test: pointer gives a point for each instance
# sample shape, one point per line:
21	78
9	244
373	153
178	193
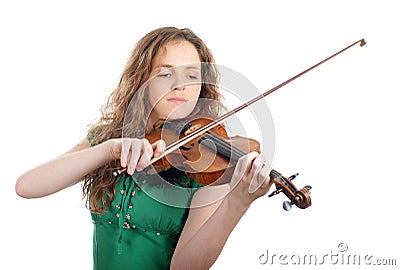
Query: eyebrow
171	66
163	65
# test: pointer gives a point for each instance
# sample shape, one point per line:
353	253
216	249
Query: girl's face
176	81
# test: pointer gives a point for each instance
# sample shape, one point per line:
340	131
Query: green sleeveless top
141	227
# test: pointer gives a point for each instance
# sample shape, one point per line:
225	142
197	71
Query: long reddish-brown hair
99	186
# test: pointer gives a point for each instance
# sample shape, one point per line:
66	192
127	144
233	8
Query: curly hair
99	186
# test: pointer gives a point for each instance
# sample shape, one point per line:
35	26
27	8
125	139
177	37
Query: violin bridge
190	129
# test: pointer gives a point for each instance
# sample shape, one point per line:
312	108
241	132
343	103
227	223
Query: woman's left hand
250	181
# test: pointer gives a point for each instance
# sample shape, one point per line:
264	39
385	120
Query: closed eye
164	75
193	77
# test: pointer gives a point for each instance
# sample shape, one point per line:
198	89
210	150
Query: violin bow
197	133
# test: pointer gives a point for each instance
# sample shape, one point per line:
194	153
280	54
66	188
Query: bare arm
64	170
69	168
208	228
206	231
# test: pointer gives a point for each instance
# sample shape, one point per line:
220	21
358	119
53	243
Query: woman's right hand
135	154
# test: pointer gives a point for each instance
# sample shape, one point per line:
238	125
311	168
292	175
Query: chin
177	115
180	112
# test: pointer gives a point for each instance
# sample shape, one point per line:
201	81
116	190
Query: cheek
152	100
155	94
194	92
160	108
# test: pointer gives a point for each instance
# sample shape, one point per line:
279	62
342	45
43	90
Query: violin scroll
299	197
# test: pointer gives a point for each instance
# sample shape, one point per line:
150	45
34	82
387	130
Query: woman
133	229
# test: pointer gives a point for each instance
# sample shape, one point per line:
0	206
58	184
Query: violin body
210	158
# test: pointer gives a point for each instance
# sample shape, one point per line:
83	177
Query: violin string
229	151
229	148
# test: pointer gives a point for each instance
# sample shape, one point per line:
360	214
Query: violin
202	149
210	159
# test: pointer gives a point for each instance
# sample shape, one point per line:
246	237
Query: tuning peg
276	192
287	205
292	177
308	187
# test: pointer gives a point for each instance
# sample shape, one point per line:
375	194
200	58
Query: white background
338	126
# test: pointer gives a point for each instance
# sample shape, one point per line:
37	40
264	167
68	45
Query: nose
180	82
178	88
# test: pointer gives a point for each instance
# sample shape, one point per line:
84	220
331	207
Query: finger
261	170
146	154
250	157
158	148
126	145
254	175
243	167
135	152
265	171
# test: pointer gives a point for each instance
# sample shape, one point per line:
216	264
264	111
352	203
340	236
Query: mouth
177	100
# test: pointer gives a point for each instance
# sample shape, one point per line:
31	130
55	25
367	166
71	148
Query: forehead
176	53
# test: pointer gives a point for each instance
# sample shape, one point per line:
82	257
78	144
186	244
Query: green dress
138	230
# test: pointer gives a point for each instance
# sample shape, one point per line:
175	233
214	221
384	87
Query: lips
177	100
